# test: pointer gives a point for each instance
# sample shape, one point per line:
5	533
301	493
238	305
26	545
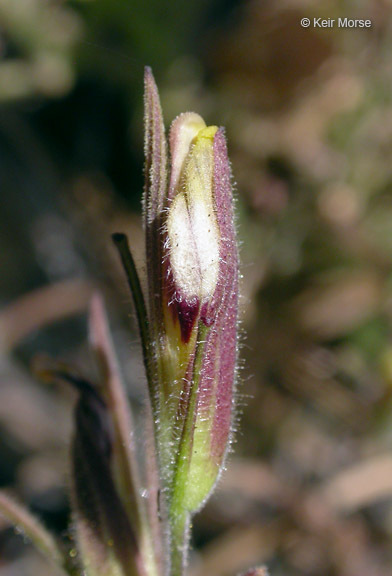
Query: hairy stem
179	513
179	542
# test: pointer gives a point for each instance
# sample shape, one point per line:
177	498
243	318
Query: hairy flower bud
213	367
190	237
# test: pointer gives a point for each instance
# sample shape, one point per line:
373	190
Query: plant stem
179	541
179	513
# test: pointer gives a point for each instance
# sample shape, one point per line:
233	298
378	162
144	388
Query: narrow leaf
155	150
155	200
121	243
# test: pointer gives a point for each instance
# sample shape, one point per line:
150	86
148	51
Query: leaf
106	538
125	458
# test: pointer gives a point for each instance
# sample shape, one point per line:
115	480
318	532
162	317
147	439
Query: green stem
179	541
179	513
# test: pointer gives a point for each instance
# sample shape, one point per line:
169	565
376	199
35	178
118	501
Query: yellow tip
208	132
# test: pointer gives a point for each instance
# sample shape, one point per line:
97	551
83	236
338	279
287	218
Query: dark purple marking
187	313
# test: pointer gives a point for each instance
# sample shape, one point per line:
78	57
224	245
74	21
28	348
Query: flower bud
190	236
208	188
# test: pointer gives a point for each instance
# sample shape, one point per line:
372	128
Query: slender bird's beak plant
133	520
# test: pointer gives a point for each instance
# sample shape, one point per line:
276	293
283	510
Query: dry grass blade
29	526
360	485
41	307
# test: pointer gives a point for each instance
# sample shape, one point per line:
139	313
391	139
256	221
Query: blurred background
308	113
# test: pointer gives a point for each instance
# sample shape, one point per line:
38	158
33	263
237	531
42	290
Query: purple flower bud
213	379
193	303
